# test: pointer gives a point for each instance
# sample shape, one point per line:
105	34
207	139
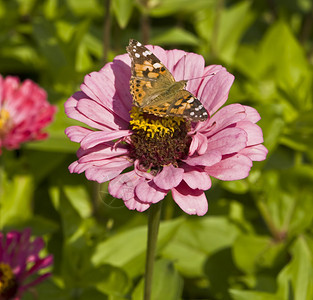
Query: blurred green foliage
256	241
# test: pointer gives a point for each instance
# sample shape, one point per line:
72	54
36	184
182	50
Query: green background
256	240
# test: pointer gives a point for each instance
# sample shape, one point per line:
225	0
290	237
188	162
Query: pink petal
228	141
103	171
148	192
226	116
232	168
123	186
197	179
254	132
207	159
100	152
135	204
199	144
72	112
214	90
169	177
190	67
252	114
77	133
98	137
100	114
255	153
102	87
192	202
166	57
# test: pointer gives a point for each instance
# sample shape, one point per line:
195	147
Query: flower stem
153	229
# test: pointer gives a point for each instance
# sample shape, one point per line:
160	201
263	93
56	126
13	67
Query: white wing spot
137	55
146	53
189	100
134	49
157	65
139	44
192	113
205	113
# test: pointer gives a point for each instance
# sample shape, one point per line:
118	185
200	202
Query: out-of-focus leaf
16	199
25	6
238	186
85	8
108	280
57	141
299	135
128	247
71	220
295	281
49	290
51	8
249	295
80	200
252	253
43	162
279	48
174	36
161	8
167	283
123	10
40	225
234	21
198	238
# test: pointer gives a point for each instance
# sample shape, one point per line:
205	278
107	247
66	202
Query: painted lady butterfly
154	89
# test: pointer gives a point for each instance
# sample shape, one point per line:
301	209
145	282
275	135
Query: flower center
157	141
8	283
5	122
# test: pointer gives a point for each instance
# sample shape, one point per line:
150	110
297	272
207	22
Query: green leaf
123	11
174	36
80	200
167	283
248	295
161	8
262	253
108	279
280	48
232	25
128	248
198	238
298	273
16	199
85	8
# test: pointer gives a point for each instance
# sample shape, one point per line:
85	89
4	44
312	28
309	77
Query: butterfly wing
181	104
149	77
155	90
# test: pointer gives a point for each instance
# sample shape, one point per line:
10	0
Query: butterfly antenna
212	74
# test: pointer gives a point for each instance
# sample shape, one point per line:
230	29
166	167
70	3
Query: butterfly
155	91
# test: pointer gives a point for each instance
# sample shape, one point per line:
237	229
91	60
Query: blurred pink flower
223	147
24	112
19	263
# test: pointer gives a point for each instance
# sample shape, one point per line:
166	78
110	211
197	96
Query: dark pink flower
183	161
19	263
24	112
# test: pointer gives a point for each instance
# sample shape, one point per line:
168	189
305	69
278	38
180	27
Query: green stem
216	27
153	229
276	234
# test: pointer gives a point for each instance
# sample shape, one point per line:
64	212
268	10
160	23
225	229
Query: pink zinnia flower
162	154
24	112
19	263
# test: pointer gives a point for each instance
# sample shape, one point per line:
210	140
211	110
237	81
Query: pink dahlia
19	263
159	155
24	112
